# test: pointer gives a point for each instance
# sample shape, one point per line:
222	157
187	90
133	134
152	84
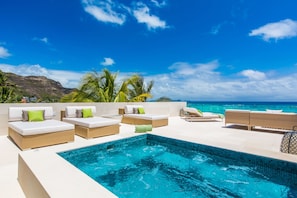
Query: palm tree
103	88
139	92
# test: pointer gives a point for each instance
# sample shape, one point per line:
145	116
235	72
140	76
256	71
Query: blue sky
205	50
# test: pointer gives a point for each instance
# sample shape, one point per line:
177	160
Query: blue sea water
220	107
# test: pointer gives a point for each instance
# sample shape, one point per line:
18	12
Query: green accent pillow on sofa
36	115
141	110
87	113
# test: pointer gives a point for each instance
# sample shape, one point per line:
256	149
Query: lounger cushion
93	122
147	116
193	111
16	113
129	108
70	111
46	126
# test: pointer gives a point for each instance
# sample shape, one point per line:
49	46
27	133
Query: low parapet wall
170	108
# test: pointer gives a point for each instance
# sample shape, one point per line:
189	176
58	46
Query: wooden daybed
36	134
265	119
130	117
90	127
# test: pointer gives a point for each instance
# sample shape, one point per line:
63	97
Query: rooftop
259	142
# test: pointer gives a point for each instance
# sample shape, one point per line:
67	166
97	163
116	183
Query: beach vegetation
9	92
105	87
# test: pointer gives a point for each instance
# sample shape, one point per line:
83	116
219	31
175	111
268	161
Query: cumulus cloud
107	62
4	52
68	79
279	30
109	11
143	15
253	75
106	11
202	81
201	70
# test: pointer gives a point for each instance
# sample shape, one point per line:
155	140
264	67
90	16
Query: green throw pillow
200	112
87	113
141	110
35	115
143	128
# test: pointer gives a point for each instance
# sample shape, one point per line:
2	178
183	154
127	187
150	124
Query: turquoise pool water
154	166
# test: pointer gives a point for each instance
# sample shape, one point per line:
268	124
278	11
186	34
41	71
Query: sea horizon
221	106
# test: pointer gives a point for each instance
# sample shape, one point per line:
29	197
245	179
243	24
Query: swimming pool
155	166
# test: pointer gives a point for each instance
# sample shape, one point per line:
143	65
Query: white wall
170	108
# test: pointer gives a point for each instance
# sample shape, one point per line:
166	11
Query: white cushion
34	128
15	113
70	111
93	122
129	108
147	116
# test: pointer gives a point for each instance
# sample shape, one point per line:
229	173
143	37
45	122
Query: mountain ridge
40	88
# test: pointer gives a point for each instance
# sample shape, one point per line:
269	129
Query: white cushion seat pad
92	122
147	116
42	127
210	115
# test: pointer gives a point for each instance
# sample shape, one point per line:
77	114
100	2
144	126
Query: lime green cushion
143	128
200	113
35	115
141	110
87	113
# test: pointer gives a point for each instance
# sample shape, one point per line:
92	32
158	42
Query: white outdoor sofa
36	134
90	127
131	116
266	119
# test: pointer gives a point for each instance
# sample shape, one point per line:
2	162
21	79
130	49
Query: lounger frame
40	140
251	119
140	121
88	133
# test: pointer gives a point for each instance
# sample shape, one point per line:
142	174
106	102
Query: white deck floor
211	133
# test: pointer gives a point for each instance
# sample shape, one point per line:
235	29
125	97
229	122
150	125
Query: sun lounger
133	116
90	127
264	119
32	134
193	115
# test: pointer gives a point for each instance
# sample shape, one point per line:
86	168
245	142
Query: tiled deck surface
211	133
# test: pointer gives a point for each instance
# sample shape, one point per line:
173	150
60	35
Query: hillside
38	88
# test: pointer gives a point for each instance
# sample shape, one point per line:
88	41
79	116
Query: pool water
154	166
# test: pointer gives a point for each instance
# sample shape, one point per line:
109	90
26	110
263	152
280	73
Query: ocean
220	107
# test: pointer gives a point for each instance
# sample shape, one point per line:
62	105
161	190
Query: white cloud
201	81
43	40
158	4
279	30
106	11
202	71
4	52
107	62
253	75
142	15
68	79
